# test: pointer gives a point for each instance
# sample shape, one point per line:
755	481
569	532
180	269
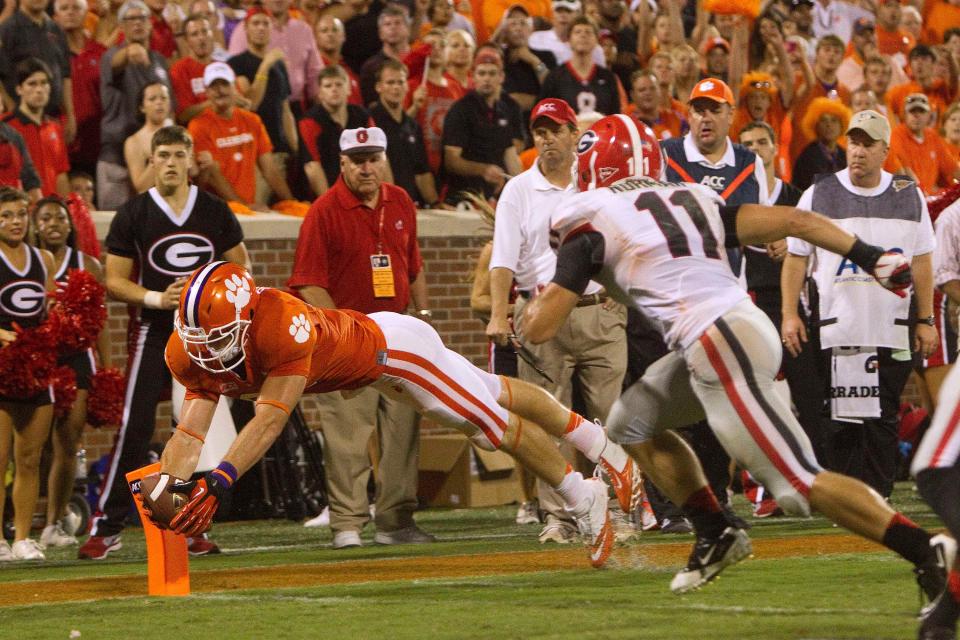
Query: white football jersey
664	251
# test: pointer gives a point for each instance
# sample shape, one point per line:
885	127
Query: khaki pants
591	345
347	425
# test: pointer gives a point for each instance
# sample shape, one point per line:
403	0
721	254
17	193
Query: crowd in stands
267	88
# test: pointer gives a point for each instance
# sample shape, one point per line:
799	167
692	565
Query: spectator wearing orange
759	101
920	148
85	53
442	15
429	101
912	22
330	36
824	122
827	59
891	38
862	45
186	74
939	16
661	66
492	12
950	129
645	107
42	134
715	53
231	144
951	40
924	81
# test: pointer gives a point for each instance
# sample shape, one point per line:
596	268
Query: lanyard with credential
383	286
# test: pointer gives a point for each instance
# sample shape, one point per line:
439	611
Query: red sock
953	584
703	511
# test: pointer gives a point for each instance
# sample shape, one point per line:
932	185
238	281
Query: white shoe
6	554
593	519
559	531
27	549
347	539
54	536
528	513
322	520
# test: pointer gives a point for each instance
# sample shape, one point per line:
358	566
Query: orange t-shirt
930	160
938	16
333	349
891	42
668	124
235	143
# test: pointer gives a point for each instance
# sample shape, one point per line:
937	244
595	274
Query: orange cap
713	89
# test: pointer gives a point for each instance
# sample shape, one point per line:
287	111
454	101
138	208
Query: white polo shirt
521	233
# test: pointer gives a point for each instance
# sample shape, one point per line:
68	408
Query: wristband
153	300
864	255
227	473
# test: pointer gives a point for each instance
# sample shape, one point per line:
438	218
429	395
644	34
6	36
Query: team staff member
707	156
592	345
886	209
26	277
232	143
482	131
162	235
358	250
42	134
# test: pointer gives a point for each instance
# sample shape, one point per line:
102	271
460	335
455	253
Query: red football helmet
216	307
614	148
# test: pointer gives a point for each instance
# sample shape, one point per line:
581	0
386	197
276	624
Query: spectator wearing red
85	54
16	167
921	149
231	143
321	127
42	134
330	36
645	107
924	81
186	74
428	101
459	58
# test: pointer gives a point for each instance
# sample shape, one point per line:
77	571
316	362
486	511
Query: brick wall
448	258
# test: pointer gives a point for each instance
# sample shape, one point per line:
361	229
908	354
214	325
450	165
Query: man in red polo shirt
358	250
186	74
42	134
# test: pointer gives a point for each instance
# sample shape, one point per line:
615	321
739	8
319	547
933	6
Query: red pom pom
64	381
83	225
105	401
939	202
80	311
33	357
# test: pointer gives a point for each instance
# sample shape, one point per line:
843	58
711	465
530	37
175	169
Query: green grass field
831	595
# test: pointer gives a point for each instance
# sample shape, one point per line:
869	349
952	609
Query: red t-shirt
47	148
354	97
339	235
430	117
186	76
85	73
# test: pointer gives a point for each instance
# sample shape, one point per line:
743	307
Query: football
157	497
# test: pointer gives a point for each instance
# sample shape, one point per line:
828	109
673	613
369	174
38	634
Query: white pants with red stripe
940	447
439	382
727	376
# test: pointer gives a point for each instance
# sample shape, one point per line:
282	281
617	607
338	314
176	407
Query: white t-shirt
664	252
548	40
946	259
521	233
866	314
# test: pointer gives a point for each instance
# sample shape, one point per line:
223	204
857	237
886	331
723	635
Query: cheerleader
26	278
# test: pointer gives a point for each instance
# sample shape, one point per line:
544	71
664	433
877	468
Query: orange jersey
235	143
937	93
891	42
930	160
333	349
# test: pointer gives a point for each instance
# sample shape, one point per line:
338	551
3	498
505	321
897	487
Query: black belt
584	301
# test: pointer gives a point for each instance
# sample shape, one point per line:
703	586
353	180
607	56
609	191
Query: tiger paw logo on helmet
300	329
238	291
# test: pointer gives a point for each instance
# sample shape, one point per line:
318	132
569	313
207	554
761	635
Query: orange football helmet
614	148
216	308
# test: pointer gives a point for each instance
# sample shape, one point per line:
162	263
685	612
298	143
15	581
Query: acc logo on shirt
714	182
180	254
22	298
